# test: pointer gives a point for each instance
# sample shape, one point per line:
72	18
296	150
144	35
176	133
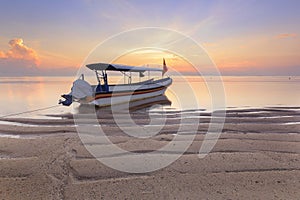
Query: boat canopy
118	67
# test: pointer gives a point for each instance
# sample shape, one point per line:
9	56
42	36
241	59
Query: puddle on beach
291	123
32	124
31	136
156	113
155	108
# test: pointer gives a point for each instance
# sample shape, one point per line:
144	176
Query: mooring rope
29	111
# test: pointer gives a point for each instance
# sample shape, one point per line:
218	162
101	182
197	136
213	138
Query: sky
240	37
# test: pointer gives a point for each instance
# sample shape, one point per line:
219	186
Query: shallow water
19	94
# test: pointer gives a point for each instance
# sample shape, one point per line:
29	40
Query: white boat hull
120	94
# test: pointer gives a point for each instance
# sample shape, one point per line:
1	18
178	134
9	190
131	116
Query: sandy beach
256	157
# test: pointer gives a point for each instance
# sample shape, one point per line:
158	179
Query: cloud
286	35
19	51
18	60
2	54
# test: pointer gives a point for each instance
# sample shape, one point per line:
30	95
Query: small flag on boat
165	68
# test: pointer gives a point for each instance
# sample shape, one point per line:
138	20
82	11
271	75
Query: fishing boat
105	94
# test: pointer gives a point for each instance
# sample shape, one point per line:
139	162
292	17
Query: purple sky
242	37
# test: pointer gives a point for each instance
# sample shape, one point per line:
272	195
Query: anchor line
29	111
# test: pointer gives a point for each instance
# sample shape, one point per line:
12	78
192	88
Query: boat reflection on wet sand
132	106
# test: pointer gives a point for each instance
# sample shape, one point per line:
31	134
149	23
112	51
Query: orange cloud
2	54
19	51
286	35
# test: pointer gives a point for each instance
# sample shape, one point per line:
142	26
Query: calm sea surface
20	94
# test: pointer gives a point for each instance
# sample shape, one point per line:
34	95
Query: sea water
21	94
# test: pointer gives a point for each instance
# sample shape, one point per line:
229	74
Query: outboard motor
68	100
80	90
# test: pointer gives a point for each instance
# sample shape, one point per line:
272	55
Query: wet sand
256	157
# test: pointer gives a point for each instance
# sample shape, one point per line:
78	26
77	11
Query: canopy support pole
97	75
